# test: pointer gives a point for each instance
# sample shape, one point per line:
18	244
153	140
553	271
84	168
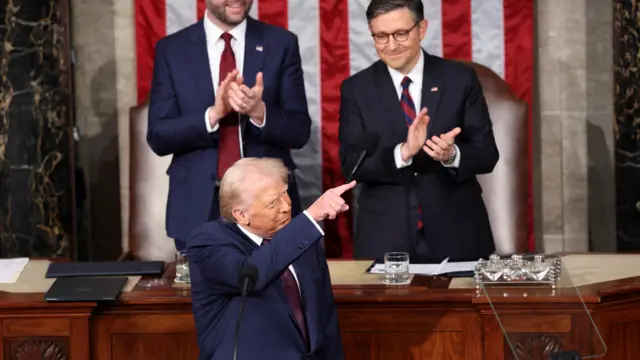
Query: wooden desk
426	320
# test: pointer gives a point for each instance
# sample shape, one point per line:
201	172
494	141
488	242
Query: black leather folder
105	268
79	289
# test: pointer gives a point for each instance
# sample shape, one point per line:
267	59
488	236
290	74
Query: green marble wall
627	122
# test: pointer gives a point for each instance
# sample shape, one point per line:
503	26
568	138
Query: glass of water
396	265
182	269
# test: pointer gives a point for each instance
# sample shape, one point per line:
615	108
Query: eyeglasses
400	35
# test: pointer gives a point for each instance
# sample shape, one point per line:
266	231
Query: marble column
575	145
36	147
627	123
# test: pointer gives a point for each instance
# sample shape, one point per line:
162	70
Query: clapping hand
416	135
248	101
441	148
222	106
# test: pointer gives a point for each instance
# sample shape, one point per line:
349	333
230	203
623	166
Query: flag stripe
180	14
254	9
150	20
432	41
335	42
274	12
202	6
487	34
334	67
303	21
362	52
519	52
456	29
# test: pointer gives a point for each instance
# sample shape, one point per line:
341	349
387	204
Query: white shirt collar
213	32
415	74
256	239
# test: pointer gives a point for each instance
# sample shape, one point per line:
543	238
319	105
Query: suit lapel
392	113
304	289
308	303
196	55
432	90
254	51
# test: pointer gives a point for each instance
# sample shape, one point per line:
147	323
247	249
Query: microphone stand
353	171
237	331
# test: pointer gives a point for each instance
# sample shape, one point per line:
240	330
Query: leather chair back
149	186
504	190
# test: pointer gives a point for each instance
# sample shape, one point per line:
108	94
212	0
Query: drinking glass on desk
182	269
396	266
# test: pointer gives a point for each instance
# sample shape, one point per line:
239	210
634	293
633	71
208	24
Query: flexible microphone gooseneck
367	143
247	277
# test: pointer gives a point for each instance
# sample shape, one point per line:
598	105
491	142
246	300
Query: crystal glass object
396	268
516	268
494	268
538	269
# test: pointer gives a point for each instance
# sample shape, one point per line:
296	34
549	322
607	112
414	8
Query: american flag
335	43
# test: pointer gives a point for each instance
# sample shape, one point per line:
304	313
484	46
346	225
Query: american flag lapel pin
259	48
434	89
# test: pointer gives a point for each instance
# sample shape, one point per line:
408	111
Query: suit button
415	174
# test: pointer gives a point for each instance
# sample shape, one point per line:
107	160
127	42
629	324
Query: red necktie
229	139
293	295
409	109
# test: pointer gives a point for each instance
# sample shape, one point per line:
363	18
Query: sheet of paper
10	269
422	269
432	269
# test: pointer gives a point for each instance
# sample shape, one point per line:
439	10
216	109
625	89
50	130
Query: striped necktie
409	109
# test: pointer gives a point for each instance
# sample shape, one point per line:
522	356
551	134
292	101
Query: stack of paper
10	269
432	269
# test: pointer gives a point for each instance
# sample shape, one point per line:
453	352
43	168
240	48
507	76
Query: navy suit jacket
181	92
456	224
217	250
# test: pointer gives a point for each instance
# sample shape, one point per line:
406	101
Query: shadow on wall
103	173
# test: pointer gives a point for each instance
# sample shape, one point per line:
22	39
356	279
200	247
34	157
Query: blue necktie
409	109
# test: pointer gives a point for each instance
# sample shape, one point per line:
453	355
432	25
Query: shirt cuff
314	222
264	121
456	161
206	121
397	155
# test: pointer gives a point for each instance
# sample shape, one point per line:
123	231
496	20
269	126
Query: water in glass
396	268
182	269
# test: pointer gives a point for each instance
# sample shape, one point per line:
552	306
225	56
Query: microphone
368	143
247	278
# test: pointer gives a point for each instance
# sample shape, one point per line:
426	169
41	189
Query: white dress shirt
215	46
258	240
415	90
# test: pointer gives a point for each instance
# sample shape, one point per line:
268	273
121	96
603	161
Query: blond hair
235	189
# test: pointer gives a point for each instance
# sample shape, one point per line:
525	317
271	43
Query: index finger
342	188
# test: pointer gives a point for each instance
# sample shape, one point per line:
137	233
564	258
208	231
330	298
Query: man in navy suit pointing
291	313
224	88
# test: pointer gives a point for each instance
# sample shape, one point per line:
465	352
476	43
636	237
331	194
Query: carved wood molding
533	346
36	348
